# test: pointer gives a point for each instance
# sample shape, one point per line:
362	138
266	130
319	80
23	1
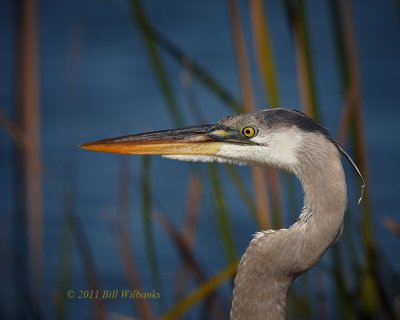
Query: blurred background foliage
70	220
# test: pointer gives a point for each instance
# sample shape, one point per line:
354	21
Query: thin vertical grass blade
188	258
341	54
121	237
297	17
222	215
193	204
147	223
263	48
89	266
63	279
321	301
201	292
156	61
131	273
303	303
64	274
241	187
344	300
259	183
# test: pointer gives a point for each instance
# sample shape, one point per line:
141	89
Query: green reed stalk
222	215
147	209
297	17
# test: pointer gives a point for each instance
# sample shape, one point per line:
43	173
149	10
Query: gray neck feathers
274	258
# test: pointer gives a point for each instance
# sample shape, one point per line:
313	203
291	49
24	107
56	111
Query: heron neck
275	258
325	195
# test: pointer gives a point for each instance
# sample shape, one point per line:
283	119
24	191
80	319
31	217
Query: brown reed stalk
392	226
266	63
130	270
352	107
120	233
30	115
259	183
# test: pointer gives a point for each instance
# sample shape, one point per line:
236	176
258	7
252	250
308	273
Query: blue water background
96	82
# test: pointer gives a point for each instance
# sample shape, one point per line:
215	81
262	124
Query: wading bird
279	138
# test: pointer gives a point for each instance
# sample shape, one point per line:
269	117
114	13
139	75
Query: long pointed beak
196	140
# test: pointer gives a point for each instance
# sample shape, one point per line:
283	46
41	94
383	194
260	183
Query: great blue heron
279	138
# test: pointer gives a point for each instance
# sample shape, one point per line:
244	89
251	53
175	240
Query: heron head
268	137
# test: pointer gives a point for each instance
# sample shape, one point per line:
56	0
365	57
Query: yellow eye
249	132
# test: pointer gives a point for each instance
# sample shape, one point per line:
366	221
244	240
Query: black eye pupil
248	131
